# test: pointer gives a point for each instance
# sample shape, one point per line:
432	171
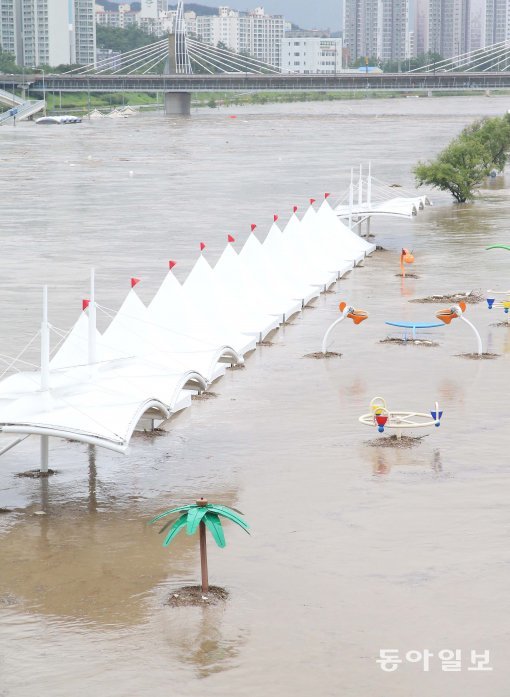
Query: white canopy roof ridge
286	259
74	352
349	239
240	279
133	331
308	263
172	309
330	253
256	260
206	290
102	410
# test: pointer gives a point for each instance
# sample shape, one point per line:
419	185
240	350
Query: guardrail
10	99
277	83
24	111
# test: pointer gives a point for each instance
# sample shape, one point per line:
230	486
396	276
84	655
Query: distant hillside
195	7
112	6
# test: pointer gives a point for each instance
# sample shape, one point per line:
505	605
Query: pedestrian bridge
246	82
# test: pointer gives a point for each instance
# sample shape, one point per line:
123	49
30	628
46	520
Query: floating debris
477	356
404	342
471	298
36	474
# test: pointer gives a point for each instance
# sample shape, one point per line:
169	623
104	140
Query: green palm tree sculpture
201	515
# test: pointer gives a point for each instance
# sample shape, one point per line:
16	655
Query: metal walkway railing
23	111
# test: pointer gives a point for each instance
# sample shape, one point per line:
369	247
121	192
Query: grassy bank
81	102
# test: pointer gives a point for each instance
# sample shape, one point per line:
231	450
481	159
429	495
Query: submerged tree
463	165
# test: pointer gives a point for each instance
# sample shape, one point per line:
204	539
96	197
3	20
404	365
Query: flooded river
354	548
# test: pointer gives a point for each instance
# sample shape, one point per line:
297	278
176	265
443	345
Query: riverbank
82	103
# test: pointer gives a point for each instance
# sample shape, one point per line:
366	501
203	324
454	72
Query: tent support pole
45	343
351	199
92	320
45	372
44	454
13	444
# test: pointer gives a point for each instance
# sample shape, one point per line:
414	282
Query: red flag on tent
202	246
85	304
171	264
231	239
327	195
134	281
253	226
275	217
312	201
295	209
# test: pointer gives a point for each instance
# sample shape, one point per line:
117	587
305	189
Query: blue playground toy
414	326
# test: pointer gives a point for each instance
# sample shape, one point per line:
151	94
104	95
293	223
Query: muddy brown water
353	548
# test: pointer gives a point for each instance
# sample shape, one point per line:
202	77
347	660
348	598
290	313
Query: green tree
8	63
123	39
494	133
463	165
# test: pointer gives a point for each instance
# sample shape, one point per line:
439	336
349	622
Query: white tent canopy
151	359
286	259
259	263
297	242
333	231
204	288
240	280
171	308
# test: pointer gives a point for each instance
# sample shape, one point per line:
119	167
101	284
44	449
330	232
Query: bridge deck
263	83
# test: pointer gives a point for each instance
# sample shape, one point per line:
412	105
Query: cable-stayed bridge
179	65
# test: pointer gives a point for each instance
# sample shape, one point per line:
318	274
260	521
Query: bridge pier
178	103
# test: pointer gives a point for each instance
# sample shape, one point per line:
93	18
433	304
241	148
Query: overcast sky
309	14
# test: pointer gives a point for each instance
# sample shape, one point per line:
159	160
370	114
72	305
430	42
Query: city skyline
308	16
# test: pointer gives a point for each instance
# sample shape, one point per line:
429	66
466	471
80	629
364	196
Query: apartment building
309	55
84	32
376	29
121	18
497	21
48	32
448	27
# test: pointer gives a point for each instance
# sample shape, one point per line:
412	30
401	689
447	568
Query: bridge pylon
178	63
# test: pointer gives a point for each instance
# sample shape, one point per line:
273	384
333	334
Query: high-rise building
449	27
253	32
361	32
48	32
376	29
10	27
394	30
497	21
84	26
421	26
